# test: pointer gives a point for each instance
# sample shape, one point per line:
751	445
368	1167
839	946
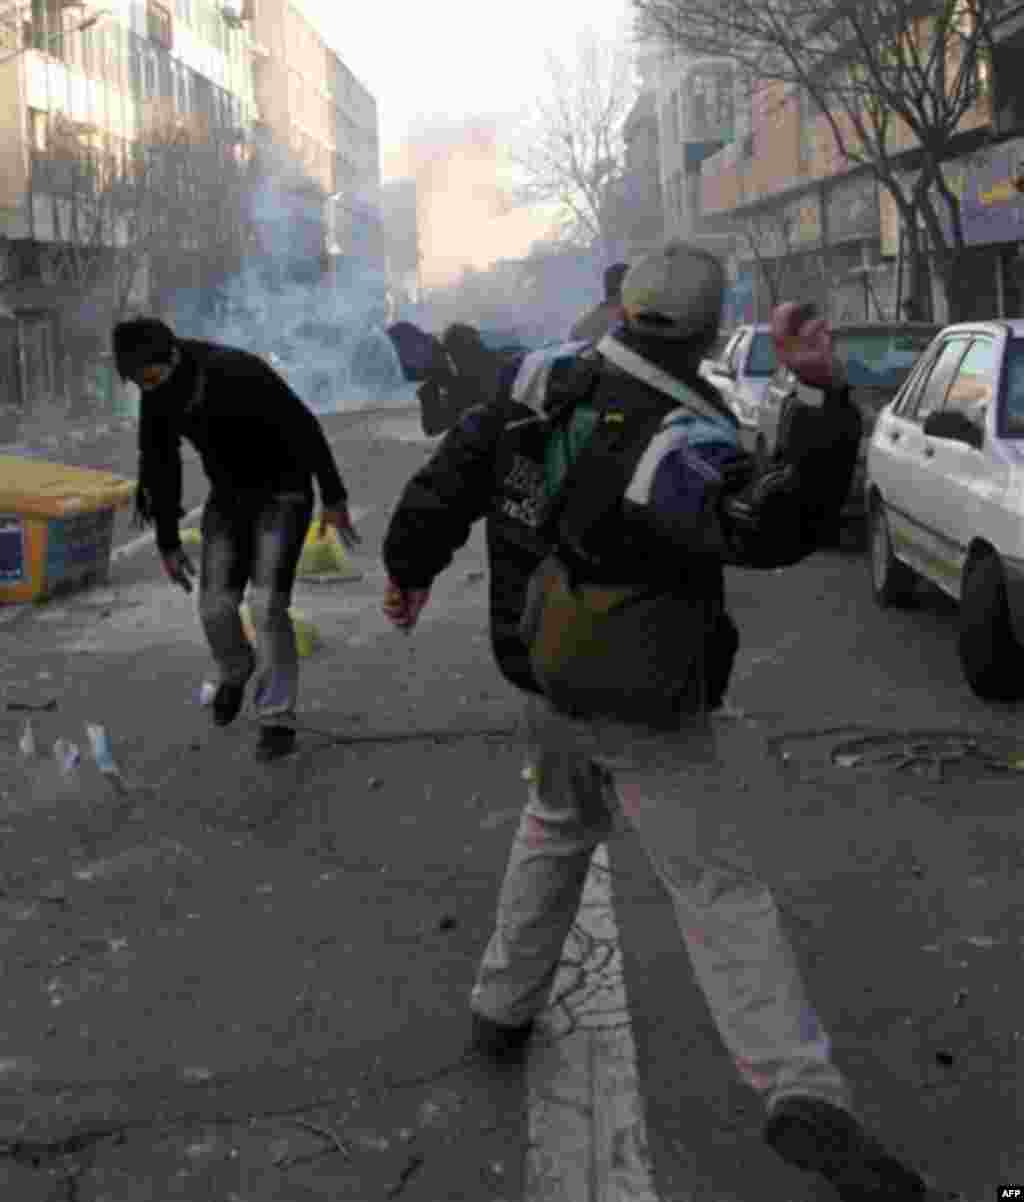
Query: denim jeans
673	791
254	544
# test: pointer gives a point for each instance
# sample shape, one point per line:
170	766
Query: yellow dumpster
56	526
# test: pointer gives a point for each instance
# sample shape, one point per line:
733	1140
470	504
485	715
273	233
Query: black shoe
227	703
819	1138
275	741
498	1041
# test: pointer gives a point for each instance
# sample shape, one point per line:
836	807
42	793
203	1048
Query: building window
158	24
46	27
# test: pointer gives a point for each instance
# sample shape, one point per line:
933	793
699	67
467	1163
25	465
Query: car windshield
880	359
1015	388
761	361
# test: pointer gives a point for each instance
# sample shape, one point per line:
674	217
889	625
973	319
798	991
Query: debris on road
412	1165
27	742
32	707
196	1075
327	1133
67	755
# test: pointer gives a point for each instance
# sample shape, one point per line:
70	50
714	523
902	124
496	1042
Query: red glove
402	607
804	345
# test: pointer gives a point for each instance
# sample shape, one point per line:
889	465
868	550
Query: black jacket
491	465
254	436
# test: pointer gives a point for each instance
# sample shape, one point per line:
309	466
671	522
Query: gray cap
676	293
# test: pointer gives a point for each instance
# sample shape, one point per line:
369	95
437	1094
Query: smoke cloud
466	219
323	332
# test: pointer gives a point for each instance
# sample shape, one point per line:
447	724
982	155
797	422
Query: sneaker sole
835	1146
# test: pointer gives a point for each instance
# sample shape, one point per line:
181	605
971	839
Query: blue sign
12	550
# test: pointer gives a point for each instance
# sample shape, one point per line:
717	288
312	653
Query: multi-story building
129	157
80	95
314	108
695	105
808	224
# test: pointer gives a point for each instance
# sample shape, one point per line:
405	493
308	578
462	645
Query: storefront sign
991	206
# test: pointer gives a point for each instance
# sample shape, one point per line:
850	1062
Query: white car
944	490
742	374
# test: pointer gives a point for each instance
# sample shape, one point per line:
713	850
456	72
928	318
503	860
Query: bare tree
572	153
899	83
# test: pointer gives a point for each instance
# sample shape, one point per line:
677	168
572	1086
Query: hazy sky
454	58
438	63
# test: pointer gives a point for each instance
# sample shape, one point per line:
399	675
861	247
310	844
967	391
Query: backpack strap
596	483
660	381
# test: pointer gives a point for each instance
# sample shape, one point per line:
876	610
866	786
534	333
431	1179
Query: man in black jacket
664	778
260	448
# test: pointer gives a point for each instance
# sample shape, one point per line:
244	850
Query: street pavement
227	980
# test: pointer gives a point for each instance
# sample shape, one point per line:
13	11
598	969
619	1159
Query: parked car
945	495
878	357
741	374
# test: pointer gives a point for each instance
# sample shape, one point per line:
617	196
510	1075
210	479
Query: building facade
806	223
80	95
313	108
132	141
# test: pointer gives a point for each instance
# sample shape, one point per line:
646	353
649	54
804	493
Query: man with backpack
614	491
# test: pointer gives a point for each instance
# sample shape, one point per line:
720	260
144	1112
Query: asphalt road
901	886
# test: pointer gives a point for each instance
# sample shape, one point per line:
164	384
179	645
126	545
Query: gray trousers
672	790
255	546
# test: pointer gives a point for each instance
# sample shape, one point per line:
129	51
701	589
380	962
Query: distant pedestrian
606	316
260	448
614	491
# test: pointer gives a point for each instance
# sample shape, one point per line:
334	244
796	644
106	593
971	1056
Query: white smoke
322	331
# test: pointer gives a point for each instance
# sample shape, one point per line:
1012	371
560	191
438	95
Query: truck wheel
892	582
991	658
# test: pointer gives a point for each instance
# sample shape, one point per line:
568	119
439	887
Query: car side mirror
955	426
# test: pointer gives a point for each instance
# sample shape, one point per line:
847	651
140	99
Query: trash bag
325	555
307	636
